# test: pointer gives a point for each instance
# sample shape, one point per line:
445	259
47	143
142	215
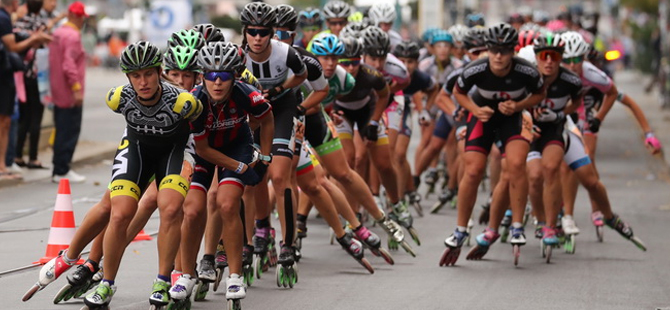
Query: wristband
374	123
239	168
649	135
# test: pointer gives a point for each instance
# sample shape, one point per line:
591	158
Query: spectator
67	60
30	111
7	88
49	13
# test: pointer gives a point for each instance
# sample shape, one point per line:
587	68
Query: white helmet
382	13
528	53
458	32
575	45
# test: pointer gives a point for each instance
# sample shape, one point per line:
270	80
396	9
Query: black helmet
375	41
258	14
140	55
287	17
501	35
353	29
210	32
352	47
407	49
475	38
336	9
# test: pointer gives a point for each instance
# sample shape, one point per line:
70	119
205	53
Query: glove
249	177
260	168
594	124
371	131
550	116
274	91
424	118
301	110
652	142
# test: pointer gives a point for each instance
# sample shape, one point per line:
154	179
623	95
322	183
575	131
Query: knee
311	188
516	168
280	180
535	178
591	182
229	210
474	172
343	175
120	218
550	171
171	212
193	213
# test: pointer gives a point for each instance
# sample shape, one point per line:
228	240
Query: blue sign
162	17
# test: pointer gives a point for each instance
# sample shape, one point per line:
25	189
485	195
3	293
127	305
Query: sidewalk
86	152
632	83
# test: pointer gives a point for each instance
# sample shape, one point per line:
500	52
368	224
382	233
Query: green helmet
190	38
182	58
140	55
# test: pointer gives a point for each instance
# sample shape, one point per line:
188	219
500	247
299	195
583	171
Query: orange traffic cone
62	224
142	236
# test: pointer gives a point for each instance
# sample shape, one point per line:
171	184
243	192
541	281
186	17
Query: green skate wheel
201	291
290	277
415	235
504	235
60	296
234	304
258	266
392	244
638	243
407	248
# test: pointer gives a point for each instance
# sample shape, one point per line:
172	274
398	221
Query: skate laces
234	283
262	232
160	287
622	227
548	232
597	218
491	235
362	233
182	284
518	232
101	293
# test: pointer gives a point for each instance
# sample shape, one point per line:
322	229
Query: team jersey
367	80
420	81
566	86
431	66
341	83
522	79
315	79
224	123
395	70
592	77
249	78
274	70
161	123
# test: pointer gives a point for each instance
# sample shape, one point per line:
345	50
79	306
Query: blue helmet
441	36
327	45
475	19
425	37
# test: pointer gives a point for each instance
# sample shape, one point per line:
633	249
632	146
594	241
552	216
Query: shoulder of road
88	152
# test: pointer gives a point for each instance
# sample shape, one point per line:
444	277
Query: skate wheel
477	253
419	210
219	276
407	248
386	255
62	294
298	243
280	276
570	245
600	233
295	272
201	291
234	304
436	207
543	249
29	294
332	237
415	235
392	244
258	266
367	265
516	250
291	277
638	243
548	252
504	235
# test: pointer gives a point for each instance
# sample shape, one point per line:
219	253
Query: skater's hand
652	143
507	107
248	176
594	125
261	168
484	113
370	131
459	113
337	117
424	118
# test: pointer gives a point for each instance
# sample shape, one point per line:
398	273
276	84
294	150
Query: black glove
301	110
260	168
371	132
249	177
594	124
274	91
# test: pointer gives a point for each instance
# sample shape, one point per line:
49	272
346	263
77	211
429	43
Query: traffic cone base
62	224
142	236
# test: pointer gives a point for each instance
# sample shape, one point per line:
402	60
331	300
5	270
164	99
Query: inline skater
336	14
383	15
495	107
310	22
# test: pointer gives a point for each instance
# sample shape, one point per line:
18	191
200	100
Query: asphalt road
609	275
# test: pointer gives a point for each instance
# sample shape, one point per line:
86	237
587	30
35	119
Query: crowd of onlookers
42	63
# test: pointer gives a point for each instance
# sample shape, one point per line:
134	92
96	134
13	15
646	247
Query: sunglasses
284	34
223	75
350	62
311	28
553	55
573	60
502	50
476	51
337	23
264	32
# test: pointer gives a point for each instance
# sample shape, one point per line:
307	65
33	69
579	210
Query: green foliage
642	35
225	21
649	6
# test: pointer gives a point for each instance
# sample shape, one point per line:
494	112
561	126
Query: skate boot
518	240
261	259
221	262
302	233
485	214
396	235
79	282
598	220
235	291
49	273
401	215
454	244
372	242
504	225
272	248
415	200
247	265
207	271
468	229
445	197
571	231
181	291
549	241
100	298
355	249
287	269
538	230
160	295
625	231
484	242
430	180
